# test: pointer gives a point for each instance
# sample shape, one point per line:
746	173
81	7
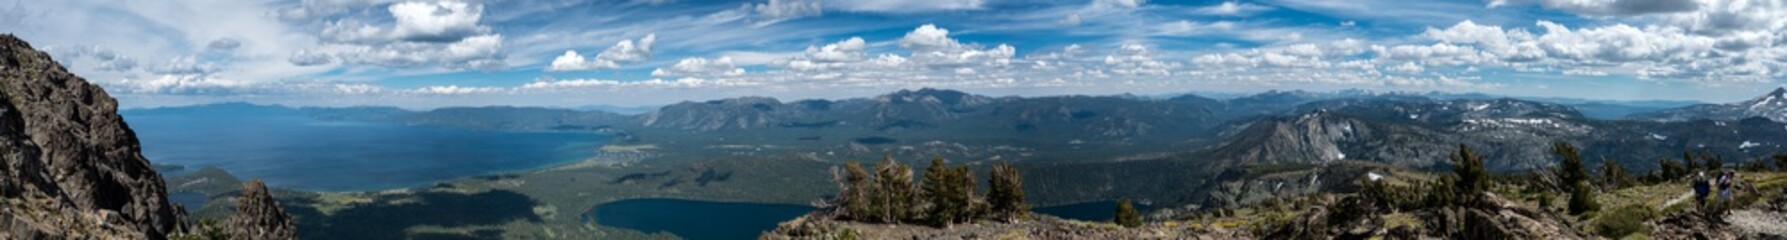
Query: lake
291	150
694	220
1100	211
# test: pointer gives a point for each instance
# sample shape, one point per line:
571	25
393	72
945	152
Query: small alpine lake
694	220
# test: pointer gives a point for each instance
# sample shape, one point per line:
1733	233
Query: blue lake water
1099	211
695	220
295	151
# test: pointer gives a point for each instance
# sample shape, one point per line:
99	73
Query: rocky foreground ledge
70	168
821	226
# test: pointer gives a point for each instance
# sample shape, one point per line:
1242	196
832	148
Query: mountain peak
945	96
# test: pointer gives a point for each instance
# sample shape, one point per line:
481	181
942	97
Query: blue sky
433	53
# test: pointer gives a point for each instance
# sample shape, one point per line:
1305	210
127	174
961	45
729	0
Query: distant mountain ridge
1772	106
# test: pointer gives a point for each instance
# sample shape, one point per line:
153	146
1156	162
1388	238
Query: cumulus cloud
484	52
848	50
627	51
782	10
444	21
931	45
1231	8
571	61
623	51
310	58
1610	7
107	59
186	65
444	34
700	67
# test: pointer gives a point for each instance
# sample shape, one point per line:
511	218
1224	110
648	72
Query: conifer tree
894	193
1713	162
1570	167
1780	161
1688	164
1127	216
1582	199
1575	177
1007	195
1472	179
962	195
1670	169
855	195
938	191
1615	175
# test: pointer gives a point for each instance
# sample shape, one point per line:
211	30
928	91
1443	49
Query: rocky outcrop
72	168
1354	217
820	226
258	217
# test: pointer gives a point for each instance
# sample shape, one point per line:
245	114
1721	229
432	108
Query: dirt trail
1678	199
1758	222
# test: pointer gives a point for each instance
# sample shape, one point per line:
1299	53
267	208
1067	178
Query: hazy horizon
424	54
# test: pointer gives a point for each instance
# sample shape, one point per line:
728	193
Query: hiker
1701	188
1725	188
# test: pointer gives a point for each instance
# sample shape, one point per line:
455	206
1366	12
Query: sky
562	53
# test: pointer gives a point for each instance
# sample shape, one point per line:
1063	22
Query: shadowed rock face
258	217
72	169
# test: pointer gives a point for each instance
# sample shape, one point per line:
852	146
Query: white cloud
573	62
186	65
782	10
1136	59
929	38
482	52
444	21
848	50
1610	7
700	67
455	90
627	51
445	34
310	58
623	51
905	6
1121	3
1232	8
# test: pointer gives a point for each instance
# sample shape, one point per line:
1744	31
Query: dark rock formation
72	169
258	217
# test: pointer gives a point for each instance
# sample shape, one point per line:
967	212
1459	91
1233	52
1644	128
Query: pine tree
1007	195
1670	169
962	195
1570	167
894	195
1472	179
1582	199
1780	161
1575	177
1688	164
1615	175
1127	215
937	192
855	195
1713	162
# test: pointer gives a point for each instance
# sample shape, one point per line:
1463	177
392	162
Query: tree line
946	196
